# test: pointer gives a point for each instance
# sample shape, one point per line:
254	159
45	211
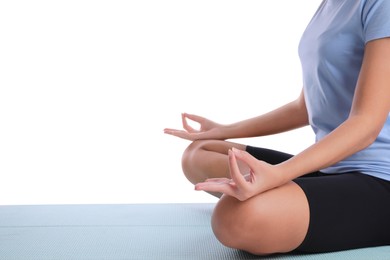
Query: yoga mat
128	231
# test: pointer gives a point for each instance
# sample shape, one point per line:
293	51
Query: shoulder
371	7
375	17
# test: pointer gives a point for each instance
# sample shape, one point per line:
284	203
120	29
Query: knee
232	224
188	155
225	224
275	221
188	161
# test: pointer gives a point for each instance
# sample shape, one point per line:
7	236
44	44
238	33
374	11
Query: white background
87	87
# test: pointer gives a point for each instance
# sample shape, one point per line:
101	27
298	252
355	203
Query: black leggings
347	210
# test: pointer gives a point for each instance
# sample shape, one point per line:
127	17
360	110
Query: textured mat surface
131	231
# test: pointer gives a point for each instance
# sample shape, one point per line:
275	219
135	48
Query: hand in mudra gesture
261	177
208	129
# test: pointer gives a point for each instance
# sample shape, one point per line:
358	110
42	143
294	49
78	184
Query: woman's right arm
287	117
290	116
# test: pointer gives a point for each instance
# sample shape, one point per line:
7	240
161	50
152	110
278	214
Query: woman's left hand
261	177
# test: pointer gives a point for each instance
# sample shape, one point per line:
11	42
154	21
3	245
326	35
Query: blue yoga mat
128	231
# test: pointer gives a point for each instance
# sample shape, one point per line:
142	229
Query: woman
335	195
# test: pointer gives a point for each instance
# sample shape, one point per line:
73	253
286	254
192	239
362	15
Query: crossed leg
275	221
207	159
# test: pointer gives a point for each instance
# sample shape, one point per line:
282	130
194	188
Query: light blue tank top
331	53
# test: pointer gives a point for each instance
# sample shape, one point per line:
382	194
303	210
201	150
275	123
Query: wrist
284	172
225	132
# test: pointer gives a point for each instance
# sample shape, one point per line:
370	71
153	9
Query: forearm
290	116
369	112
349	138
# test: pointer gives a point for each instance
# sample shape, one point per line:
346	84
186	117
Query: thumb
245	157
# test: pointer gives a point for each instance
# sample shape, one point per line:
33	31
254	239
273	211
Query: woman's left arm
370	109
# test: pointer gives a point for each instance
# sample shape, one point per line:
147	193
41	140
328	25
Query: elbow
376	125
372	135
370	130
301	110
365	137
370	138
366	129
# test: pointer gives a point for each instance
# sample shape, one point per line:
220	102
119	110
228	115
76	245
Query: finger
186	126
235	173
225	188
195	118
170	130
245	157
178	133
219	180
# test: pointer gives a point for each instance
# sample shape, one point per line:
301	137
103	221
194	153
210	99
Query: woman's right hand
207	130
262	177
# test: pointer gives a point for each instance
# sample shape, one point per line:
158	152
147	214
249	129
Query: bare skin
262	211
